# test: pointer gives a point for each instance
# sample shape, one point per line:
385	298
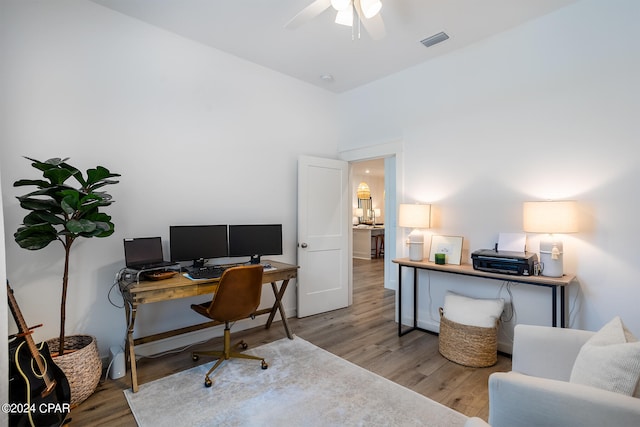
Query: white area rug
304	386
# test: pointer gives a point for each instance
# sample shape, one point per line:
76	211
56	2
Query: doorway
391	154
374	212
368	201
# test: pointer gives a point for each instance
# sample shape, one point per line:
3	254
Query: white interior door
324	224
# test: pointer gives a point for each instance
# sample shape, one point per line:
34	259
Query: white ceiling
254	30
368	168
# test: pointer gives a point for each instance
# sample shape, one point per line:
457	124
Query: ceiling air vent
435	39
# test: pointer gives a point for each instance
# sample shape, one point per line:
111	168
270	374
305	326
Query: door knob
304	245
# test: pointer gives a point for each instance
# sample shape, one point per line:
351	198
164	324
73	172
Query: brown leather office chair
237	297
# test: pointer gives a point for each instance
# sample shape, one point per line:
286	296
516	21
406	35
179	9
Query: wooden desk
146	292
555	283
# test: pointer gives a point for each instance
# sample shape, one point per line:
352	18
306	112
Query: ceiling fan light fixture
345	17
370	8
340	4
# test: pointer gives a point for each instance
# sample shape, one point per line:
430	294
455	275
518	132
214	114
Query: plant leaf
70	202
39	204
81	226
104	226
36	182
35	237
57	176
74	171
42	217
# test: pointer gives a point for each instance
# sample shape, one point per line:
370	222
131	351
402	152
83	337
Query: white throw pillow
609	360
472	311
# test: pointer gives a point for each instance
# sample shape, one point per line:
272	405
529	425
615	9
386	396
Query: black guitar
39	392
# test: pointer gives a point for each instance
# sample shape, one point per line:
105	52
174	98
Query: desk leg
277	306
130	352
554	304
562	307
400	300
415	298
415	302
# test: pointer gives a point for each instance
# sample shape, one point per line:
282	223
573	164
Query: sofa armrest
521	400
543	351
476	422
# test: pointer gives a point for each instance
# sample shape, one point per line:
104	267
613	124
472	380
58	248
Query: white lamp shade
550	217
414	216
359	212
370	8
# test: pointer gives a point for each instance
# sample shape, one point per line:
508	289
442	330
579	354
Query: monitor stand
255	259
198	263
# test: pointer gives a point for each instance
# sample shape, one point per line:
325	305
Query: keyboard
206	272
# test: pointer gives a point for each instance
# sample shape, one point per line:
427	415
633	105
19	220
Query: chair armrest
543	351
521	400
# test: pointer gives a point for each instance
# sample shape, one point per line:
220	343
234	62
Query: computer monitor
255	240
198	243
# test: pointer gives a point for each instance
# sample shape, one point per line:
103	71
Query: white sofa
537	391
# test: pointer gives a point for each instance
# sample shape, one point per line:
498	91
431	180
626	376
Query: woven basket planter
466	345
81	365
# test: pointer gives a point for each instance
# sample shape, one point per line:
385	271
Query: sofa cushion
472	311
609	360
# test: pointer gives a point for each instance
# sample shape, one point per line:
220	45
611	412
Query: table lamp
550	217
415	216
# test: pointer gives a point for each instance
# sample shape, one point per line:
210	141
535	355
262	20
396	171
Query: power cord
116	283
106	374
573	306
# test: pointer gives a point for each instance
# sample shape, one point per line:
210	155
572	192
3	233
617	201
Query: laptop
144	253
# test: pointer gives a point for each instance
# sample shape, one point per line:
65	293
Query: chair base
225	354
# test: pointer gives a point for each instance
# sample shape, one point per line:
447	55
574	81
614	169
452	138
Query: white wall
199	136
547	110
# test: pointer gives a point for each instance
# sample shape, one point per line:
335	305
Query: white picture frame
451	246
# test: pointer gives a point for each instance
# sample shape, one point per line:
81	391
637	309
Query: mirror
367	211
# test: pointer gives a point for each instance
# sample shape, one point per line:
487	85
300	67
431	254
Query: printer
505	262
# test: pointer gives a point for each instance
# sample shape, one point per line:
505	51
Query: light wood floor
365	334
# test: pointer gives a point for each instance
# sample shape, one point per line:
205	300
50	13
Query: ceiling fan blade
308	13
374	25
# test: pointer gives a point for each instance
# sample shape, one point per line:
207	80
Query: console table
557	284
137	293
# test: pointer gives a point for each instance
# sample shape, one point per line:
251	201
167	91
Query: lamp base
416	246
551	258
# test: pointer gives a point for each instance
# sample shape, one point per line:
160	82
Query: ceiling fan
348	12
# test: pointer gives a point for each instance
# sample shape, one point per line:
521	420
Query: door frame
385	150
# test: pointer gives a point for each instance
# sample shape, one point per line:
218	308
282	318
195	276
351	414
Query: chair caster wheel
208	382
243	345
264	365
195	357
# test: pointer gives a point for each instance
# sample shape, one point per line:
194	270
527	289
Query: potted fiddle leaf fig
66	205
